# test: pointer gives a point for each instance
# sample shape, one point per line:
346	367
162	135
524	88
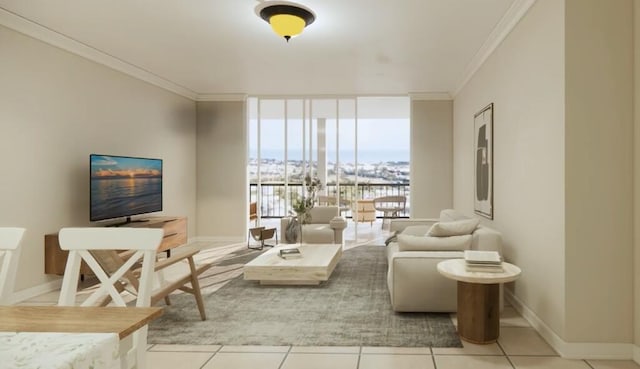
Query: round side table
478	299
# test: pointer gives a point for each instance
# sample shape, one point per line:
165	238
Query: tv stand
128	221
175	234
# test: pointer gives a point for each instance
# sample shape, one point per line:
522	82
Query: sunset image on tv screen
123	186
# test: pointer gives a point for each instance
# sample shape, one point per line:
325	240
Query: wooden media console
175	234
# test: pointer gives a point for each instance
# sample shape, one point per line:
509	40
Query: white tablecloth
59	350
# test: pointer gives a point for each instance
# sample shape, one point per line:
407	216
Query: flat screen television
122	186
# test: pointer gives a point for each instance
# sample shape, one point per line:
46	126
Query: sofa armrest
487	239
400	224
415	284
338	224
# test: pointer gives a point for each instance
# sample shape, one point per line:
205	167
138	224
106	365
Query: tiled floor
519	346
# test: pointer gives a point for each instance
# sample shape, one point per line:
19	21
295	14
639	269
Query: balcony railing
272	195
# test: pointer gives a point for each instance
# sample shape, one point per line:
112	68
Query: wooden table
315	265
81	337
478	299
76	319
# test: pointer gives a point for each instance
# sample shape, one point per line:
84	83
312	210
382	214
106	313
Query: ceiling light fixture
287	19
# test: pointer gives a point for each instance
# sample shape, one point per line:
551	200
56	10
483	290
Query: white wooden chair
143	243
10	238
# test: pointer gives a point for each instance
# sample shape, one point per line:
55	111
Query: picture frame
483	161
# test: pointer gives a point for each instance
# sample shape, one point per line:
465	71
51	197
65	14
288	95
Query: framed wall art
483	151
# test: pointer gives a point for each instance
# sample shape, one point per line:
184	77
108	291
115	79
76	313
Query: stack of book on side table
290	253
483	261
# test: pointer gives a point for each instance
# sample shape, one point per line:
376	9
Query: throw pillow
427	243
455	228
392	238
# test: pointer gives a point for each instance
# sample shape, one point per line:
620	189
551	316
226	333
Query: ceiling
205	47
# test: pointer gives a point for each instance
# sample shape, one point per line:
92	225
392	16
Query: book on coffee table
292	253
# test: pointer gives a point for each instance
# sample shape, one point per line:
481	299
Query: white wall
636	181
524	78
599	170
431	157
56	108
223	209
562	88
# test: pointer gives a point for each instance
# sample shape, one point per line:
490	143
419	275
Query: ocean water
112	198
346	156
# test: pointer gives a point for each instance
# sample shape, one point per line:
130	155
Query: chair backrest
323	214
143	244
396	203
253	211
324	200
80	242
10	239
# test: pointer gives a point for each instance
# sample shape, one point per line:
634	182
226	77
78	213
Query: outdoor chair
253	213
262	234
323	200
10	238
390	206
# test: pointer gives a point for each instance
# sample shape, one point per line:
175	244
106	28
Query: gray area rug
351	309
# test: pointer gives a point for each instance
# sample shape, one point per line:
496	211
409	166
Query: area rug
351	309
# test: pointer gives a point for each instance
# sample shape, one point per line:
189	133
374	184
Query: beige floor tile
321	361
472	362
48	298
172	360
511	318
523	341
469	349
245	361
396	350
613	364
326	349
248	348
538	362
384	361
185	348
454	319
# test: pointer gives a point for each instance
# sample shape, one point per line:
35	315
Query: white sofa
325	226
413	280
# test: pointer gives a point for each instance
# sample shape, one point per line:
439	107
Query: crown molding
511	17
430	96
39	32
221	97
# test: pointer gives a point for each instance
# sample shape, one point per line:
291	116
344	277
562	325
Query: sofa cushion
455	228
416	230
427	243
323	214
449	215
317	233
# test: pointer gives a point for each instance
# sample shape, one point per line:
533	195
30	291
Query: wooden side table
478	299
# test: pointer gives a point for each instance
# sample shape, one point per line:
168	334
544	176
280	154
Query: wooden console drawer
175	234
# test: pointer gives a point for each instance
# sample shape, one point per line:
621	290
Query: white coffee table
478	299
315	265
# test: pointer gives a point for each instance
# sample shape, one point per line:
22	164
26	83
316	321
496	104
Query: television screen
122	186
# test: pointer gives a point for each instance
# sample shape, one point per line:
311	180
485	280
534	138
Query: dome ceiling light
287	19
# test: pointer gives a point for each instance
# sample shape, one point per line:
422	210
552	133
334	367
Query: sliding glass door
357	146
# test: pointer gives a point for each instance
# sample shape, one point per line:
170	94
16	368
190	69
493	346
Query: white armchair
325	226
